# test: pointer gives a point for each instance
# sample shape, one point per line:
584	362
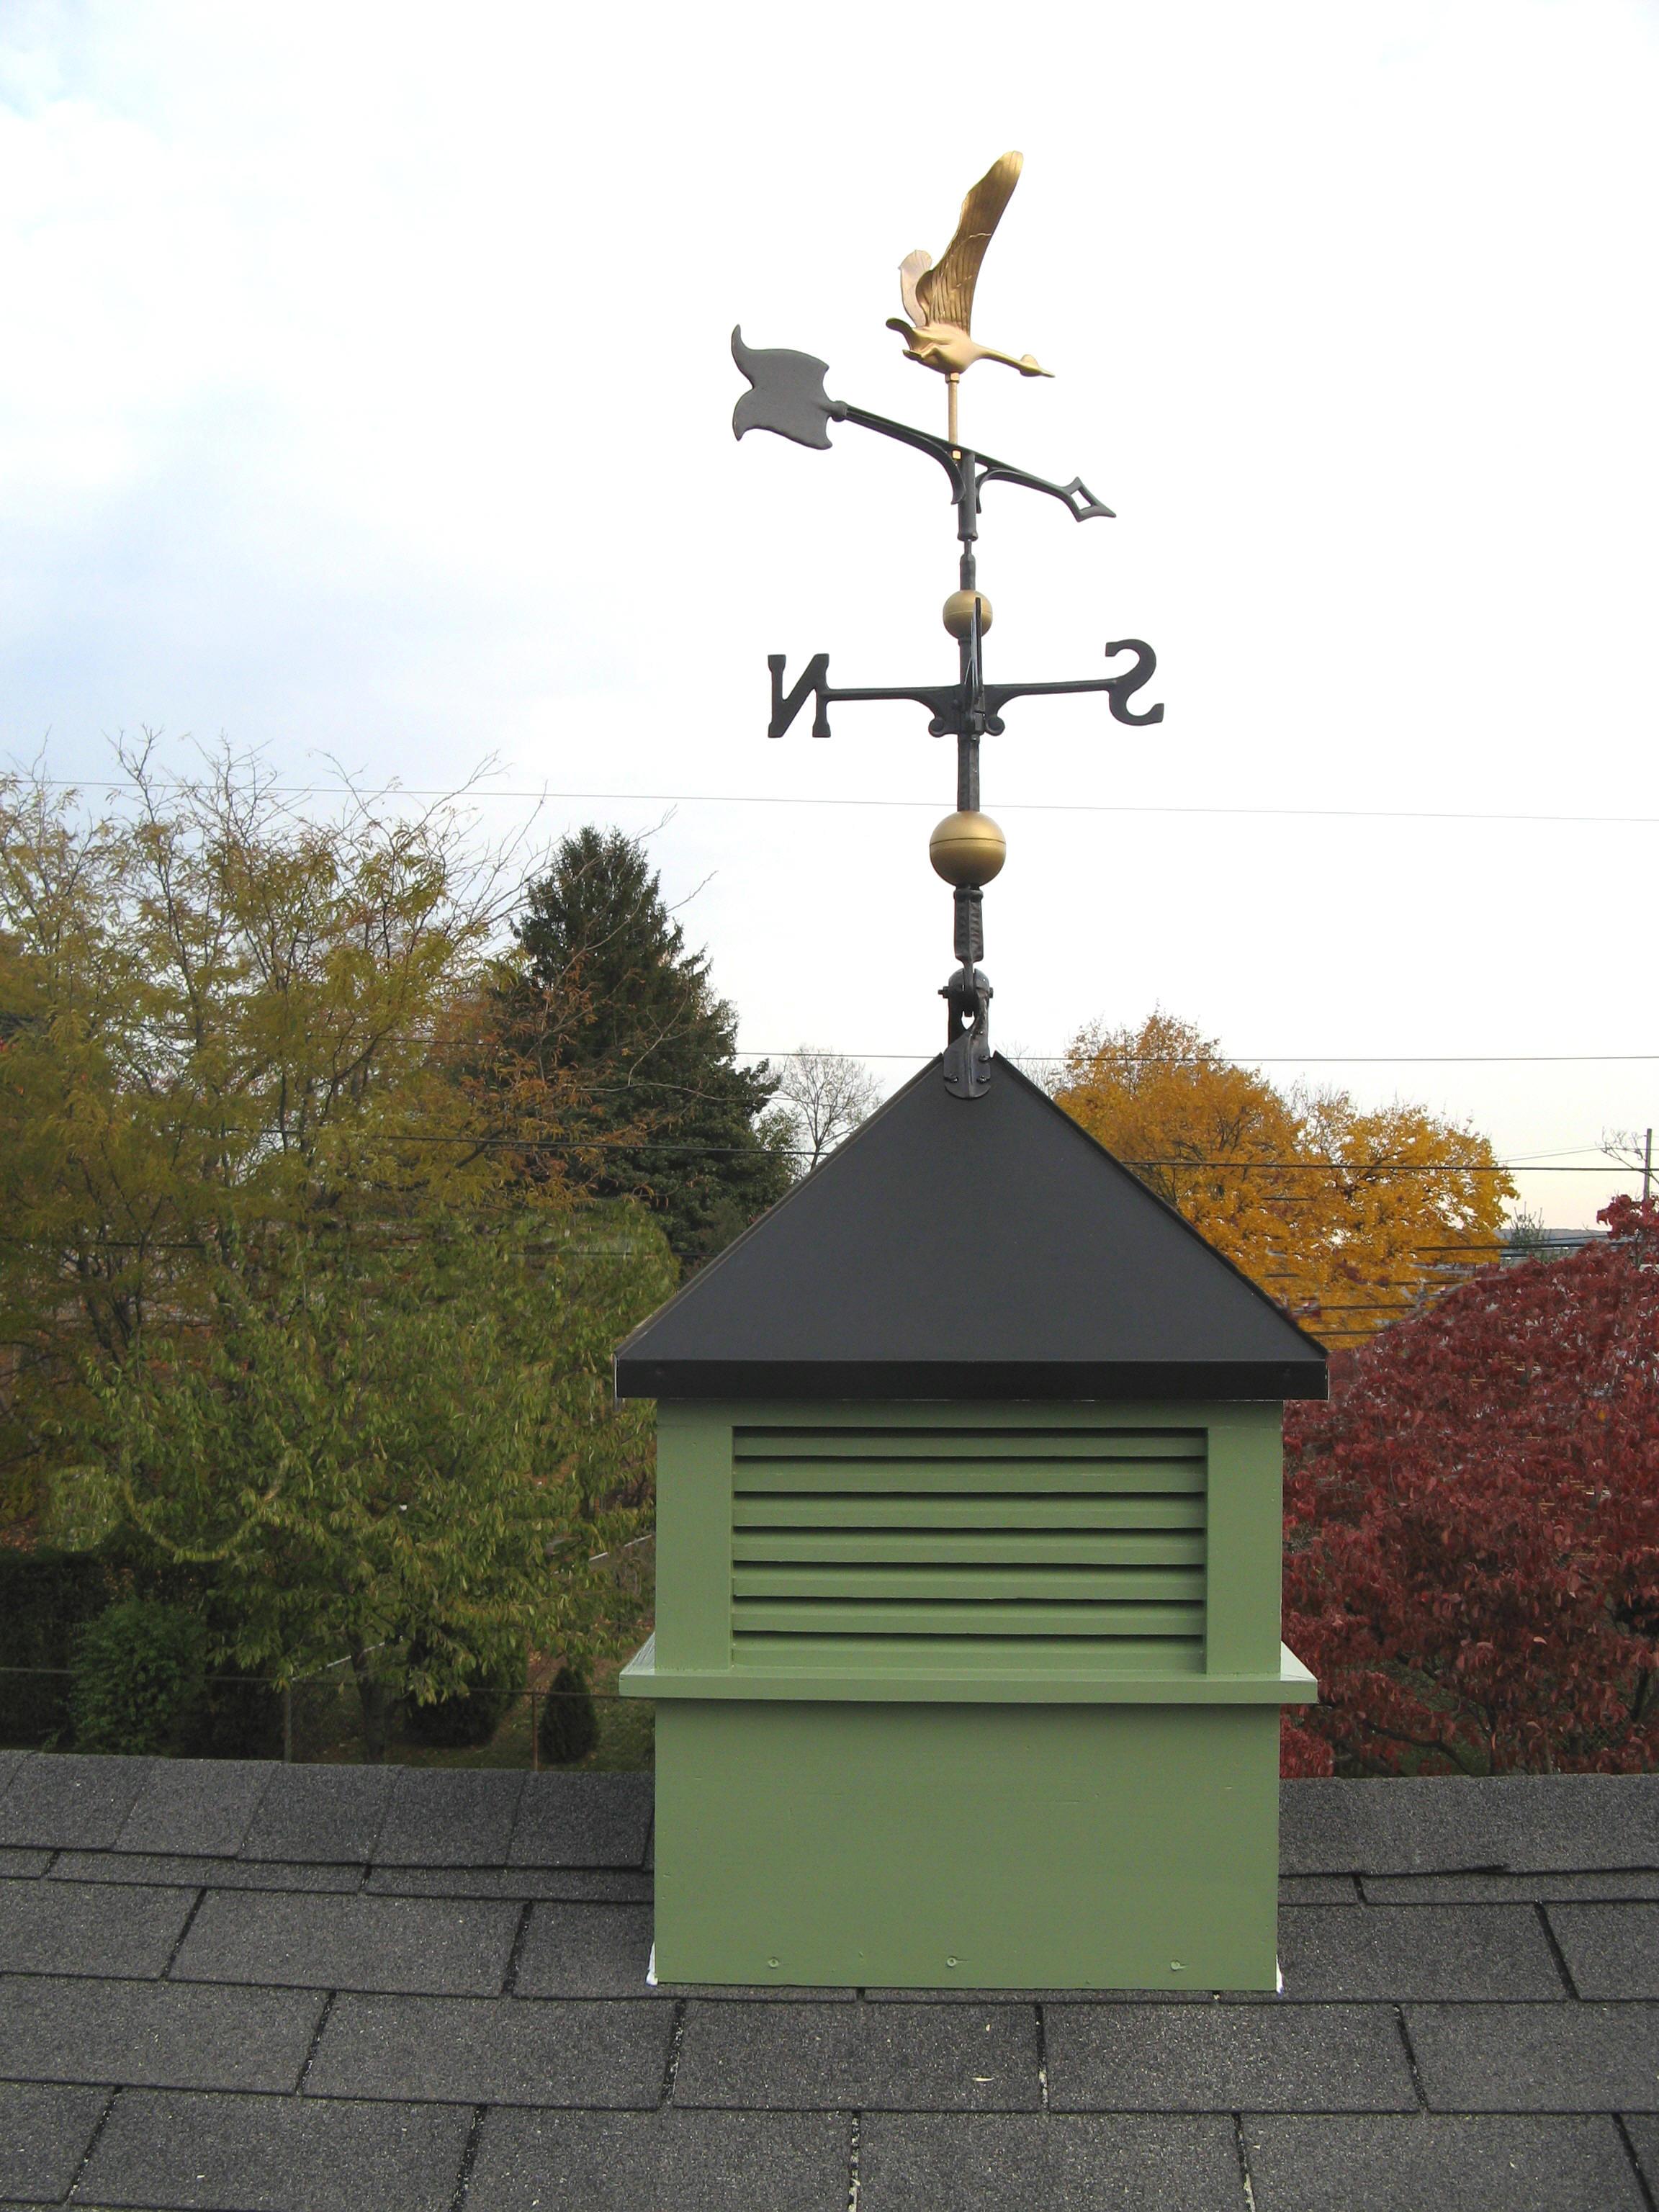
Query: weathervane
788	398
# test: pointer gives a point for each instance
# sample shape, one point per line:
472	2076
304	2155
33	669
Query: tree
218	1015
604	991
394	1449
1526	1236
299	1311
1346	1216
823	1097
1472	1526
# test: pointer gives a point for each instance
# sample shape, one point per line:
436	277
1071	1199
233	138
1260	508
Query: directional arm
787	397
942	701
1120	690
969	708
1076	496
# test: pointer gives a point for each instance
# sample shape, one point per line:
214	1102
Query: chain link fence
318	1720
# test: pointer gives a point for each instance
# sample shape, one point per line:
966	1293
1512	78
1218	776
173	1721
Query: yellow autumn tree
1346	1216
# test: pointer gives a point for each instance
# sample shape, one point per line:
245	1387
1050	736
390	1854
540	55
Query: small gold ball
959	613
968	848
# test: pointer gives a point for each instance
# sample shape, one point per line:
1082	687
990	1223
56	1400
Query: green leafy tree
297	1313
605	999
218	1015
568	1730
140	1679
393	1448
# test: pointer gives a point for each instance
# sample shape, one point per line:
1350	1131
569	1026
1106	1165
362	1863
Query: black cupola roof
970	1248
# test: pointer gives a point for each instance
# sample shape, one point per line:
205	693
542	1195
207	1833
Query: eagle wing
946	293
913	266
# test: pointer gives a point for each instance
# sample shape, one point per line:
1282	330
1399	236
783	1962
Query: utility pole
1647	1167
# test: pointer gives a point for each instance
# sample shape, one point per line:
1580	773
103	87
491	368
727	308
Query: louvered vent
1046	1547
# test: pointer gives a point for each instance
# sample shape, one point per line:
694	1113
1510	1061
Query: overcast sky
365	393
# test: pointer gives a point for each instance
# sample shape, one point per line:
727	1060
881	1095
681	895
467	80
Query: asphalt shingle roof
237	1988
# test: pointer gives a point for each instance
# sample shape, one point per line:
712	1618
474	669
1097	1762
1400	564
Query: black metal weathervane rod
787	397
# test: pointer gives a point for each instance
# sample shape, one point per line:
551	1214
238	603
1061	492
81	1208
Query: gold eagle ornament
940	299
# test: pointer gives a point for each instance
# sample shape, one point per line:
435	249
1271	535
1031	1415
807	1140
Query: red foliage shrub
1471	1527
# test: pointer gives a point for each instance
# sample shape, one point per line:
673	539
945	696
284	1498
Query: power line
625	1147
1255	1060
1392	1167
923	805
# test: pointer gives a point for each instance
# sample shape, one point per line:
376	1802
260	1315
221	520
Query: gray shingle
153	2032
662	2162
603	1951
1050	2162
68	1801
1644	2132
1432	2163
275	2155
1522	2074
891	2057
10	1763
1504	1888
48	1928
45	2129
197	1805
584	1951
165	1866
320	1815
449	1819
1283	2058
1512	1823
504	2051
577	1885
1427	1951
443	1946
1611	1950
583	1820
1518	2058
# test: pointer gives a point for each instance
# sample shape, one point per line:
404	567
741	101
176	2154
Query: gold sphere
959	613
968	848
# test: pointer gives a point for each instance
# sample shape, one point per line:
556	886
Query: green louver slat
993	1547
1088	1477
820	1511
819	1617
1099	1585
1073	1447
1123	1655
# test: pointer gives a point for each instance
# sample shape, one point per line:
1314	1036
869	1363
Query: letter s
1121	689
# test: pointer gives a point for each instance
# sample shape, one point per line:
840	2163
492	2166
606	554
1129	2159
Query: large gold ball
968	848
959	613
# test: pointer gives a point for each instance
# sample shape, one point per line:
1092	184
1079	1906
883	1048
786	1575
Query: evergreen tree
607	991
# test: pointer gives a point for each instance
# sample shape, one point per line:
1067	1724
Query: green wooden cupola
967	1648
